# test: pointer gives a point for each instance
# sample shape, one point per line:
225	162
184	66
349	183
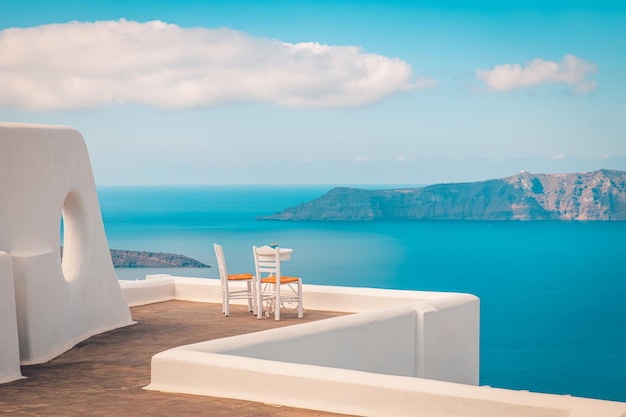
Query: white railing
404	353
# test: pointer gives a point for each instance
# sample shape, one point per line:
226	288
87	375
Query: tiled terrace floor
104	375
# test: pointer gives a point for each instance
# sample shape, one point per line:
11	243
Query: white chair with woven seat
236	292
273	289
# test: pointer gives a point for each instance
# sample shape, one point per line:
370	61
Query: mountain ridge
597	195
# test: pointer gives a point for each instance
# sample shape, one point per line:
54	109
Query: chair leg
259	300
300	306
251	299
250	296
277	305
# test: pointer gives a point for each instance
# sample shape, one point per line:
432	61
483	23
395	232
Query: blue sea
553	294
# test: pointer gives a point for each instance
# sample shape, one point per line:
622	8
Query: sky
322	92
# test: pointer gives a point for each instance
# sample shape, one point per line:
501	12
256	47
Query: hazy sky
322	92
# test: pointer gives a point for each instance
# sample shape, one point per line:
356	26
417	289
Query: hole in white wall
61	238
72	236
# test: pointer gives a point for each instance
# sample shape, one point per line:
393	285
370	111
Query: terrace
105	374
358	351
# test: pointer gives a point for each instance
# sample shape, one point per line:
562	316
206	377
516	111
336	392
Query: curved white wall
384	341
45	174
359	364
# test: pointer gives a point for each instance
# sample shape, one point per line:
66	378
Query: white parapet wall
45	181
154	289
403	353
422	334
9	346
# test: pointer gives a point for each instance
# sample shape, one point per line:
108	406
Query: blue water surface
553	294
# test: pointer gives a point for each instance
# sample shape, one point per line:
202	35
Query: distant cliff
599	195
138	259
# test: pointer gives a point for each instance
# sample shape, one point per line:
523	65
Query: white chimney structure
48	304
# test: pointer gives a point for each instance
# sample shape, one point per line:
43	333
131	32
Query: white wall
45	175
382	341
9	345
154	289
359	364
356	393
447	329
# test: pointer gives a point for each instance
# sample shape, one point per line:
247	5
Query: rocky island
139	259
598	195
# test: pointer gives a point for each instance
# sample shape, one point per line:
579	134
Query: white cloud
73	65
571	70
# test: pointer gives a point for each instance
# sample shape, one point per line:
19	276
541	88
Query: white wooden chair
226	280
274	290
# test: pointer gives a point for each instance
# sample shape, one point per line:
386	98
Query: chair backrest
266	262
221	263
